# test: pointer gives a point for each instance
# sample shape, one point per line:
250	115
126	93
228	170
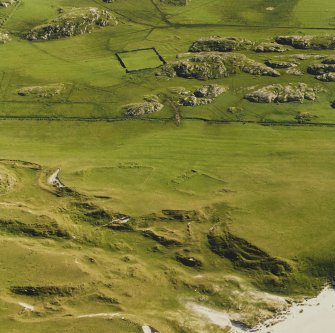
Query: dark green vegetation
186	204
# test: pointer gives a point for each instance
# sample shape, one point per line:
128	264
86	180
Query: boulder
294	71
304	117
210	91
8	3
278	93
279	64
270	47
234	110
140	109
194	101
4	38
220	44
203	95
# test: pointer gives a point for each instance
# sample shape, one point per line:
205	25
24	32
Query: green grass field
248	195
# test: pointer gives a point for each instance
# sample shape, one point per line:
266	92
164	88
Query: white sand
26	306
96	315
146	329
215	317
316	315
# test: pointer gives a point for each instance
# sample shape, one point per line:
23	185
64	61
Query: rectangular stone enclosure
140	59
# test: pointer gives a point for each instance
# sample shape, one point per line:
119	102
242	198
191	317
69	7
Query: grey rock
75	21
214	65
270	47
278	93
279	64
326	42
220	44
327	77
319	69
140	109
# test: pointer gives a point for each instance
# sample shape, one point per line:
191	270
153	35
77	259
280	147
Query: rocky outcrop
140	109
304	56
326	42
42	91
243	254
329	60
44	228
213	65
270	47
327	77
279	64
304	117
188	261
161	239
220	44
176	2
44	291
278	93
209	91
75	21
203	95
4	37
319	69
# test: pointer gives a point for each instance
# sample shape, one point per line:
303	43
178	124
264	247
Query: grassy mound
75	21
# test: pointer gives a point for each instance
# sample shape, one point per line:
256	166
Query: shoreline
310	316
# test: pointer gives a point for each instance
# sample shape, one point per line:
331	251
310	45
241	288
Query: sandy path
96	315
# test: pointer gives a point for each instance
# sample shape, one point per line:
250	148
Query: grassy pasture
263	180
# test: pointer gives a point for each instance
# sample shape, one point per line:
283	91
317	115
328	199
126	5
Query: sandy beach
315	315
